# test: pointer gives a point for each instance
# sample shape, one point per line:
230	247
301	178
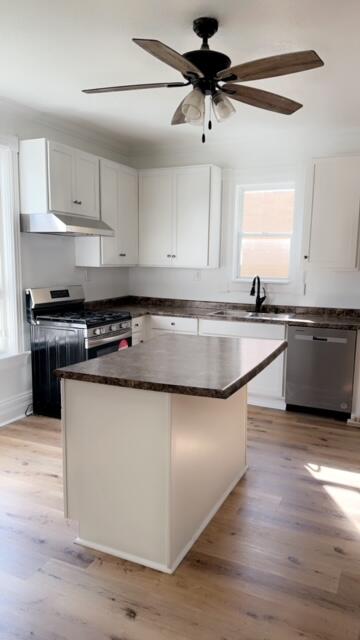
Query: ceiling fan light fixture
222	106
193	107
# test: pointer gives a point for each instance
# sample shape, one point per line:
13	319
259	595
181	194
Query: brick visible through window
266	224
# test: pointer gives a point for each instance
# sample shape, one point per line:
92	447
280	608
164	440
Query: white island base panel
145	471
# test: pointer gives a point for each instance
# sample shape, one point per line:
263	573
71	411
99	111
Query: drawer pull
122	255
136	324
173	324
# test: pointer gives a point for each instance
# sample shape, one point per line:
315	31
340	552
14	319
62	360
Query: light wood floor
280	561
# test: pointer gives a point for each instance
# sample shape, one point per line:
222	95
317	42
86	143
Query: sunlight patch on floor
342	487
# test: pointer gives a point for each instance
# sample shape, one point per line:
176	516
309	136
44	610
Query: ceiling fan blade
261	99
178	117
273	66
131	87
169	56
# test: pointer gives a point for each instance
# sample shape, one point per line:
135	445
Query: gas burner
88	318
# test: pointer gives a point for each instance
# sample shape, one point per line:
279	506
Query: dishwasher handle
311	338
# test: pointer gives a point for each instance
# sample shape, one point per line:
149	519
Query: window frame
13	340
239	234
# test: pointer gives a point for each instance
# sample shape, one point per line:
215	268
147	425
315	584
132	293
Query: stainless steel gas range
63	332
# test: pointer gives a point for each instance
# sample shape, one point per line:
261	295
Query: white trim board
14	408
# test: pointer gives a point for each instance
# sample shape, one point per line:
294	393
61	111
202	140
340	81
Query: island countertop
214	367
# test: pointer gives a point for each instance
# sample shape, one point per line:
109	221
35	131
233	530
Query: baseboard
354	421
206	520
14	408
123	555
264	401
157	565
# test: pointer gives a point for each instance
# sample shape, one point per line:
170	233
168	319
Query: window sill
263	281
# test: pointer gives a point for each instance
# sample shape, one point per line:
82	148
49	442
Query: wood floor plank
280	560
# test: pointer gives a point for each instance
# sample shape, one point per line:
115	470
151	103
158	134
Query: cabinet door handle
136	324
173	324
168	255
173	255
77	201
122	255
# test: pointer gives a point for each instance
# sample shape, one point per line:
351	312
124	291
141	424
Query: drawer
241	329
138	324
173	323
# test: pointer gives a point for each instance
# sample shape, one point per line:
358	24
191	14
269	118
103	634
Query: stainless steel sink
270	316
230	313
253	315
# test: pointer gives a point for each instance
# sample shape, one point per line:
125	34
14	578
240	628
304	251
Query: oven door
96	347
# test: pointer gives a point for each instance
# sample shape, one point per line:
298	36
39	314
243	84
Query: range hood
63	225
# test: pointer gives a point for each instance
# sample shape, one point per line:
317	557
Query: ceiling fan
210	73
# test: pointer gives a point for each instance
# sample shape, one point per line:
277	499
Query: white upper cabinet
86	182
179	217
155	217
61	177
58	178
334	231
119	209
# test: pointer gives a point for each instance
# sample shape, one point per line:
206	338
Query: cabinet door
86	180
61	177
192	217
109	212
128	217
335	213
268	383
155	218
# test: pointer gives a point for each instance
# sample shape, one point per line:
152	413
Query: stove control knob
97	332
113	327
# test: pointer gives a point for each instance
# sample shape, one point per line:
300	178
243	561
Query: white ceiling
49	51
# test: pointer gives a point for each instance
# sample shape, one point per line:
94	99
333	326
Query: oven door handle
96	342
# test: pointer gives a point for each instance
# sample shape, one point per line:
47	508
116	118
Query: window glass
266	221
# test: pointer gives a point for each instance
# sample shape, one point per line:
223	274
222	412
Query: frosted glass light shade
193	107
222	106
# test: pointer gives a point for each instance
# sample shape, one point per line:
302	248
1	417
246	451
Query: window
265	224
9	290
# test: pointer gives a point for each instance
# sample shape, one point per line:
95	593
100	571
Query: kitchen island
154	440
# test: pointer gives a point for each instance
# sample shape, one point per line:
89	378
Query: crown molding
66	126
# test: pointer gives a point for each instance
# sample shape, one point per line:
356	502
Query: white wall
258	156
50	260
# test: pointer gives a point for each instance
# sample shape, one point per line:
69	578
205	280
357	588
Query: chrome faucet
256	283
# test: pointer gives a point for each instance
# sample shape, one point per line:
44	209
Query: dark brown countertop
186	364
317	317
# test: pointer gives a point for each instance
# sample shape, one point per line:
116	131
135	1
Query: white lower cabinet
172	324
140	329
267	388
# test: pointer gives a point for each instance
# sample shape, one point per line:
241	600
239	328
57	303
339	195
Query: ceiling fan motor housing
208	61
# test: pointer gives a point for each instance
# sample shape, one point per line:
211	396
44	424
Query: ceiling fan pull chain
203	137
210	123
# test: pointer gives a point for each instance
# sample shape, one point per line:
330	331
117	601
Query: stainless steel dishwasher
320	368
